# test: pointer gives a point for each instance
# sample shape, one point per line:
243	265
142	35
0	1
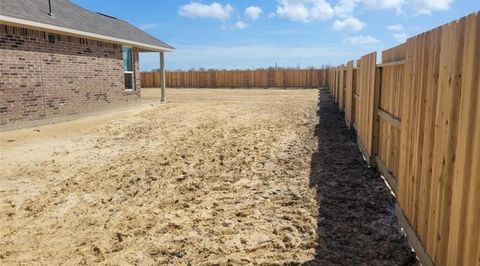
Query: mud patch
356	220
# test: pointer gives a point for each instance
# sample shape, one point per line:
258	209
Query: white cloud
253	12
240	25
400	37
345	7
350	24
254	51
367	39
305	10
321	10
427	6
385	4
214	10
417	6
271	15
395	27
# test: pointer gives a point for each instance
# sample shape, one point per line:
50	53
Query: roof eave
62	30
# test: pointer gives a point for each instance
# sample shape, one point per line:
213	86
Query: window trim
132	73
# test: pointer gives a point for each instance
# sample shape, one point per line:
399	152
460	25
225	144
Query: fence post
336	85
162	77
376	119
349	94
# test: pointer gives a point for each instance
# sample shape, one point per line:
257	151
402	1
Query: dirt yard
214	177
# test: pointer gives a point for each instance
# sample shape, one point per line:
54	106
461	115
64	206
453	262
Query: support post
376	118
162	77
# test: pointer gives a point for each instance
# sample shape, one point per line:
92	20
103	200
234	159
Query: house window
128	68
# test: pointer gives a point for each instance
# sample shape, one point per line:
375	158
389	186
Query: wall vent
50	8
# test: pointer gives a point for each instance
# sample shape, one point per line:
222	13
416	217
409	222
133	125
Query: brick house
57	58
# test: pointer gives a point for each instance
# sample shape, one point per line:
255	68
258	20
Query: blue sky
231	34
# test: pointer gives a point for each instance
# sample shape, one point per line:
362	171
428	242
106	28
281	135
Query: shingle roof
71	16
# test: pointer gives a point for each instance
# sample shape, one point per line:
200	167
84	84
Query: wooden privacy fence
417	115
304	78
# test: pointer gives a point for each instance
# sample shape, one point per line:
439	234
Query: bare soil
214	177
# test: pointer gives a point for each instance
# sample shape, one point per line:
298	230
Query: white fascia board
62	30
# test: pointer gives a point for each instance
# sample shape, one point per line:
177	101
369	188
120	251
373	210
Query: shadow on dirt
356	220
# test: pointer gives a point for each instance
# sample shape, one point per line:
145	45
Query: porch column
162	76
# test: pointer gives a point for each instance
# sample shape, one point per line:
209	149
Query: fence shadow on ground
356	219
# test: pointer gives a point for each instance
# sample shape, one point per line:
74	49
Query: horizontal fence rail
290	78
417	116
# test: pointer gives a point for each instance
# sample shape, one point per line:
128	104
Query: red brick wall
40	79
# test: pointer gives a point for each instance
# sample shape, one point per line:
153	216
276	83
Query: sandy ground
213	177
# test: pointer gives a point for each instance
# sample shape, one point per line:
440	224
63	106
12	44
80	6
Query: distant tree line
202	69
